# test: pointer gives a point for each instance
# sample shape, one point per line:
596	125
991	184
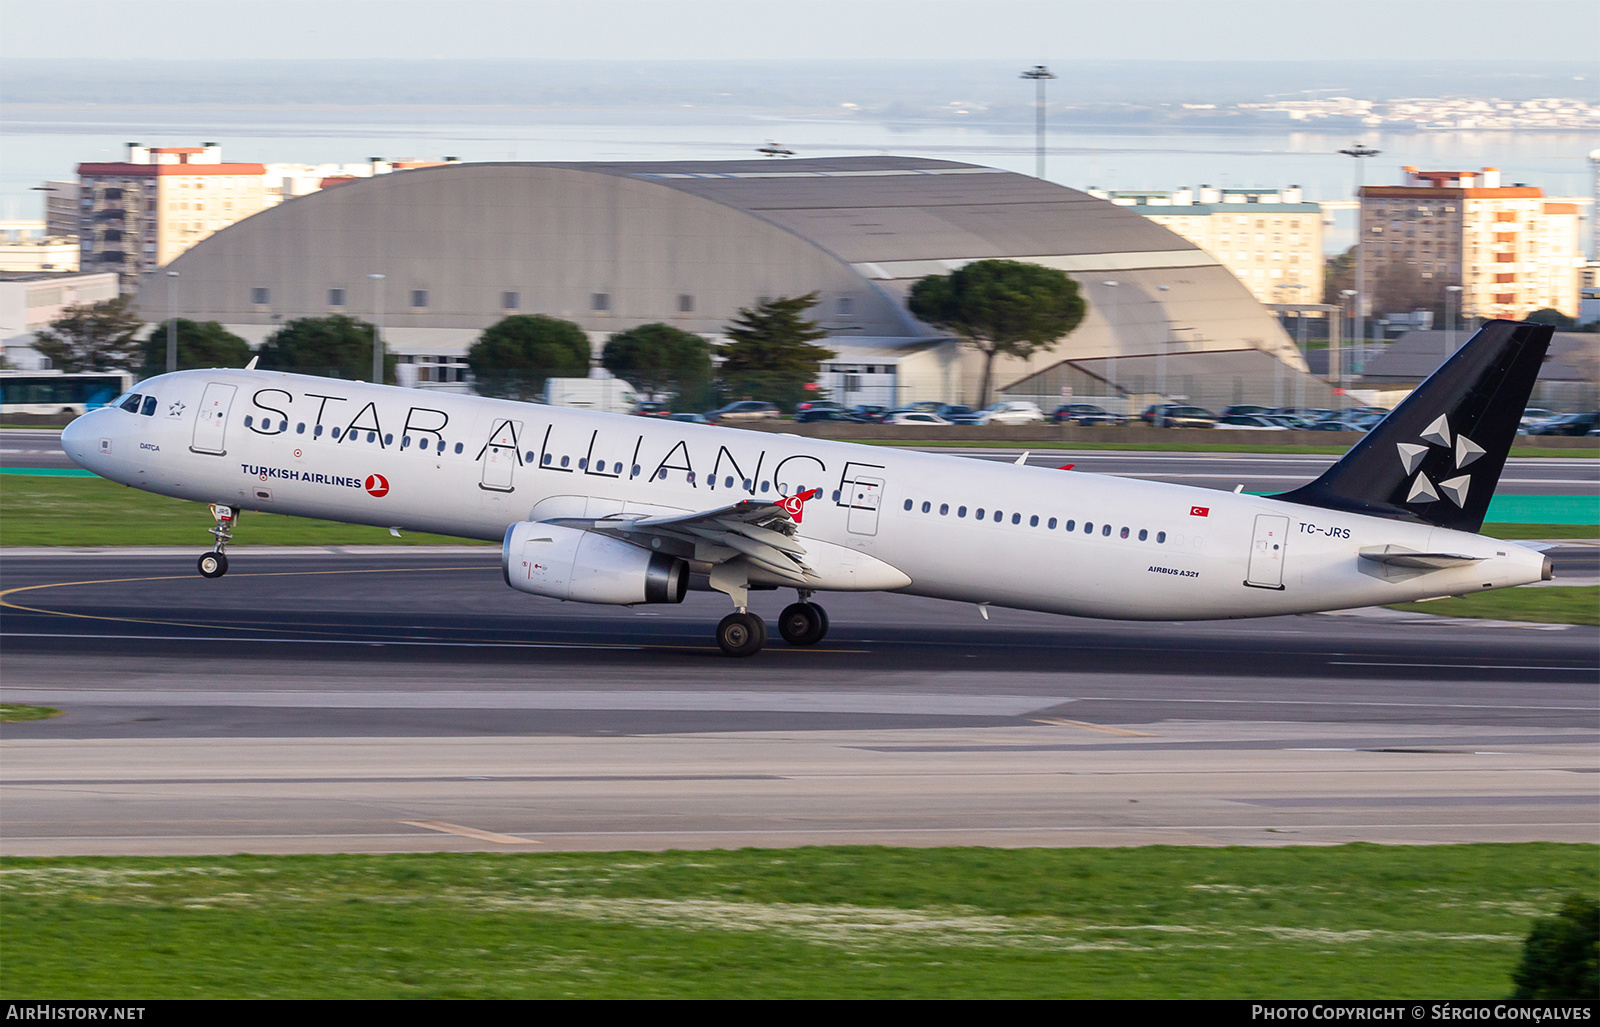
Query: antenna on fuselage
251	366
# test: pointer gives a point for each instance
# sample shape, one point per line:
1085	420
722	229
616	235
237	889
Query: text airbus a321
604	508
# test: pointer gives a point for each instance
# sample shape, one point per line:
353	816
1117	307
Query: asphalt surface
381	700
1256	472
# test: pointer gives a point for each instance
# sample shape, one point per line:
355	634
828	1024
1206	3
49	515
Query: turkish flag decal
1199	511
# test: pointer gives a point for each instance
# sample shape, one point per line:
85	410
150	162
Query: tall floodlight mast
1358	151
1040	75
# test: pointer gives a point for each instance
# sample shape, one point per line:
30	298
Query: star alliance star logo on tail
1411	456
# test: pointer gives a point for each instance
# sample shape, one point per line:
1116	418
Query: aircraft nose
78	440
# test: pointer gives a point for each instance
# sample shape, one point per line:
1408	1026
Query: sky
1036	30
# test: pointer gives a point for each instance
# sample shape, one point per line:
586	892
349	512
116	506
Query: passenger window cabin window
335	297
1016	518
567	460
1070	525
926	506
727	482
944	509
662	474
316	432
1033	522
583	463
372	436
528	457
961	511
1088	527
334	433
1161	536
908	504
300	429
1143	534
765	485
979	515
1105	529
1051	524
459	447
547	459
689	477
1124	532
636	470
419	297
248	420
997	515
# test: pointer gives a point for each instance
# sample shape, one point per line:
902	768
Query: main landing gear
215	563
742	633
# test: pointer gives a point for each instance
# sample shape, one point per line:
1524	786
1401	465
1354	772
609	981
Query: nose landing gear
215	563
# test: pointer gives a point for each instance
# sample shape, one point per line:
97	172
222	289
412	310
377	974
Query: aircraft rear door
1266	552
211	422
865	494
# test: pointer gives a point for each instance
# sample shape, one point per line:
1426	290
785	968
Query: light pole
1161	354
172	323
1300	342
377	335
1358	151
1338	371
1040	75
1111	351
1450	292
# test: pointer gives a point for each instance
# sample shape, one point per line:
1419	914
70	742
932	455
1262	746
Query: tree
1402	289
200	344
512	358
1001	306
659	358
96	337
771	355
336	346
1550	316
1559	958
1338	274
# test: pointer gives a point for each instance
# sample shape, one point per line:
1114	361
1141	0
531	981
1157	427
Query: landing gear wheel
803	624
741	634
213	565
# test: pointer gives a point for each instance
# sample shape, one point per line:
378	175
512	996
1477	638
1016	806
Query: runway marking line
1084	725
468	832
330	639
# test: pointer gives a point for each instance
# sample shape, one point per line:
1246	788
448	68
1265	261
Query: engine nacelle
586	567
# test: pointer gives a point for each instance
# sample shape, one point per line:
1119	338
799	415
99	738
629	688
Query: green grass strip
48	472
1443	921
57	511
11	713
1579	604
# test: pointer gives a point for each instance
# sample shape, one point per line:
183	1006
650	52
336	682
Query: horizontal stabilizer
1399	556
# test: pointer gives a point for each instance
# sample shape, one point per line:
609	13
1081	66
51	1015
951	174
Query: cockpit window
149	407
131	404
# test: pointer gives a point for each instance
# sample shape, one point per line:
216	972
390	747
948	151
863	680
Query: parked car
1568	424
825	414
653	409
915	417
1176	416
1340	424
1086	414
1247	422
818	404
869	412
1245	409
744	410
690	418
1533	415
1011	412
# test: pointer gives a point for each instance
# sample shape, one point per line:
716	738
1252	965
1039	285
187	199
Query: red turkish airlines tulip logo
795	506
377	486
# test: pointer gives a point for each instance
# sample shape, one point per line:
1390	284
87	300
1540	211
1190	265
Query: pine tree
771	356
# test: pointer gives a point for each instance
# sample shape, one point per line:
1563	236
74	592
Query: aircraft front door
1266	552
211	423
863	500
501	457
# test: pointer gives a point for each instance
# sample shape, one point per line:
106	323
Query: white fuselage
1046	539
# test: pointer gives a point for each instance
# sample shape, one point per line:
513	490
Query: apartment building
1511	249
138	214
1271	239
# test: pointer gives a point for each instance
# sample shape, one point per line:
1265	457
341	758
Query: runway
382	700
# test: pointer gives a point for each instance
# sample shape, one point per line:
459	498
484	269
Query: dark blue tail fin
1437	457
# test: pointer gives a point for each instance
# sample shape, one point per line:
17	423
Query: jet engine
586	567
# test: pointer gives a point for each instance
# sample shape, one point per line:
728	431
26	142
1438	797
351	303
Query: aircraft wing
760	532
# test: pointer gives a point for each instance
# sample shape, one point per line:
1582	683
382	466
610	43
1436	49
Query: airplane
604	508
